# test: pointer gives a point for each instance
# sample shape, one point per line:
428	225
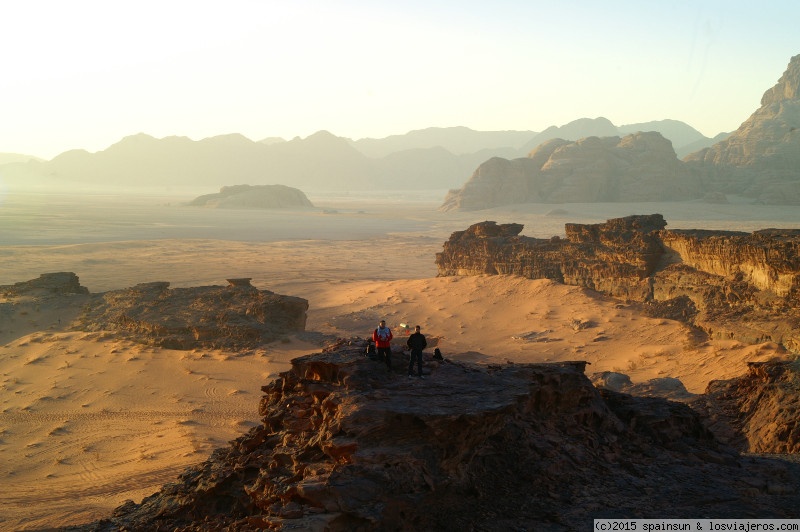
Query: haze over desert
90	420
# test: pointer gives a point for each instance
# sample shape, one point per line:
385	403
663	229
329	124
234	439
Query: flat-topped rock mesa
234	316
760	161
344	446
254	197
730	284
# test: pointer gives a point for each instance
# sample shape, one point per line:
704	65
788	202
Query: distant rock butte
254	197
344	446
730	284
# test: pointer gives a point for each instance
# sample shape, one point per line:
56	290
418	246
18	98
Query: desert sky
87	73
89	420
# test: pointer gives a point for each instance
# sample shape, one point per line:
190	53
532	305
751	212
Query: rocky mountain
254	197
343	447
743	286
759	161
637	167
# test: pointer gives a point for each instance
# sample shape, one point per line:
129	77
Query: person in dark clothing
416	342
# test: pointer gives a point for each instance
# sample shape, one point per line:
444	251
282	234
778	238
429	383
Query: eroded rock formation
234	316
345	447
731	284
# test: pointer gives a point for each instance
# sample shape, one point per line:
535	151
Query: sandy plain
88	420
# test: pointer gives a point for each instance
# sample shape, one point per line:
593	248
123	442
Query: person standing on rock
416	342
382	336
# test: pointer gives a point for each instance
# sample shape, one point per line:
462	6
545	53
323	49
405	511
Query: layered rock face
254	197
235	316
637	167
760	161
731	284
345	447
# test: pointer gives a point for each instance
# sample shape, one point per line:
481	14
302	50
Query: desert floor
88	420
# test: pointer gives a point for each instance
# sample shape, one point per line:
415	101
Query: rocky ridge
345	446
729	284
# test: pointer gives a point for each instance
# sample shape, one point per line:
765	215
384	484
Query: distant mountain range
429	159
760	162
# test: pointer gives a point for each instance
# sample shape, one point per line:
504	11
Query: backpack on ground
371	353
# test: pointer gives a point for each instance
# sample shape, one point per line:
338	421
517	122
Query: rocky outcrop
254	197
60	283
758	412
761	159
637	167
344	446
731	284
234	316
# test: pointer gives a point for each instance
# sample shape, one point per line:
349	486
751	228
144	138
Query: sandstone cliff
342	446
254	197
730	284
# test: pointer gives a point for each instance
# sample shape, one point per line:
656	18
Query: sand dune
88	420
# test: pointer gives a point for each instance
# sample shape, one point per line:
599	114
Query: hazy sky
86	73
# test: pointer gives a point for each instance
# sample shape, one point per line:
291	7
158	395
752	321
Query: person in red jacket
382	336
